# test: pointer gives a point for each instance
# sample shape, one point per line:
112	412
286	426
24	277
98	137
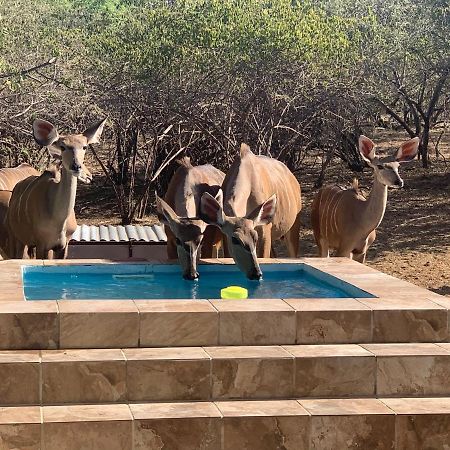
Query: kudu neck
375	205
63	199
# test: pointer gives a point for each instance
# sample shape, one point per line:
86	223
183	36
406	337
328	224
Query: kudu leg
324	249
292	238
60	253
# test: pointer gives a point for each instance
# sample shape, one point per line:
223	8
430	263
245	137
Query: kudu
179	211
343	219
41	210
9	177
261	204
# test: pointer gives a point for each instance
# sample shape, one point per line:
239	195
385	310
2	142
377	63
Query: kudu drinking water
180	209
261	204
41	210
9	177
343	219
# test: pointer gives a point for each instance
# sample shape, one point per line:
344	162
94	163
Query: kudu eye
178	242
380	166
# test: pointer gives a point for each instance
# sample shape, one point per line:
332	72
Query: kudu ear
211	210
44	133
263	214
93	133
244	150
165	213
407	150
366	148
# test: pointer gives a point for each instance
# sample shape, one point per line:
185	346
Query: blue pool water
150	281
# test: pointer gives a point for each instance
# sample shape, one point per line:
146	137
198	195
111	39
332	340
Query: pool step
221	373
400	424
187	323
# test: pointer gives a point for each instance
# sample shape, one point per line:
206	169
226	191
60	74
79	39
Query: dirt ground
413	241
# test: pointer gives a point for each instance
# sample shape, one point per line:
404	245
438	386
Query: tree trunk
423	146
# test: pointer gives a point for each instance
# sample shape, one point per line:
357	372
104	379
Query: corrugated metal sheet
109	233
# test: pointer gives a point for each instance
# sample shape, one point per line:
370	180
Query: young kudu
41	210
343	219
9	177
261	204
179	211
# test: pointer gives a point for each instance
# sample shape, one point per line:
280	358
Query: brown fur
183	195
9	177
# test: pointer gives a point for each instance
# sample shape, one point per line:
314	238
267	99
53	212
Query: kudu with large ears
262	204
342	219
41	210
187	235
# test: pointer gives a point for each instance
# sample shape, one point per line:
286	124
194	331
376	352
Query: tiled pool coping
402	312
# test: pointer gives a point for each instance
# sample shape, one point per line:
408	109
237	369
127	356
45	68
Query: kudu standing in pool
180	210
343	219
261	204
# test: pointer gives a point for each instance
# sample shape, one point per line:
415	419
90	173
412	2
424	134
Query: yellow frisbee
234	292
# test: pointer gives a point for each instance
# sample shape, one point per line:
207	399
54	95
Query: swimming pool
163	281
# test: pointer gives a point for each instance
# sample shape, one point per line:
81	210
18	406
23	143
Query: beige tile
332	321
417	406
405	349
327	351
333	370
350	424
421	423
28	325
411	369
83	376
96	306
179	410
248	352
255	322
20	428
264	425
251	372
20	414
445	346
347	407
86	413
19	372
228	305
326	304
87	427
440	300
407	320
413	375
177	323
98	324
159	374
261	408
176	426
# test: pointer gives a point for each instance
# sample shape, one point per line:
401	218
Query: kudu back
180	211
9	177
261	204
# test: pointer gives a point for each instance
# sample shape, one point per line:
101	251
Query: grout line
41	378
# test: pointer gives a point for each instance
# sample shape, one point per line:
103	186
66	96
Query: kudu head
386	168
69	150
242	237
188	233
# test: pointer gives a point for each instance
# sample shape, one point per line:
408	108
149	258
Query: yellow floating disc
234	292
